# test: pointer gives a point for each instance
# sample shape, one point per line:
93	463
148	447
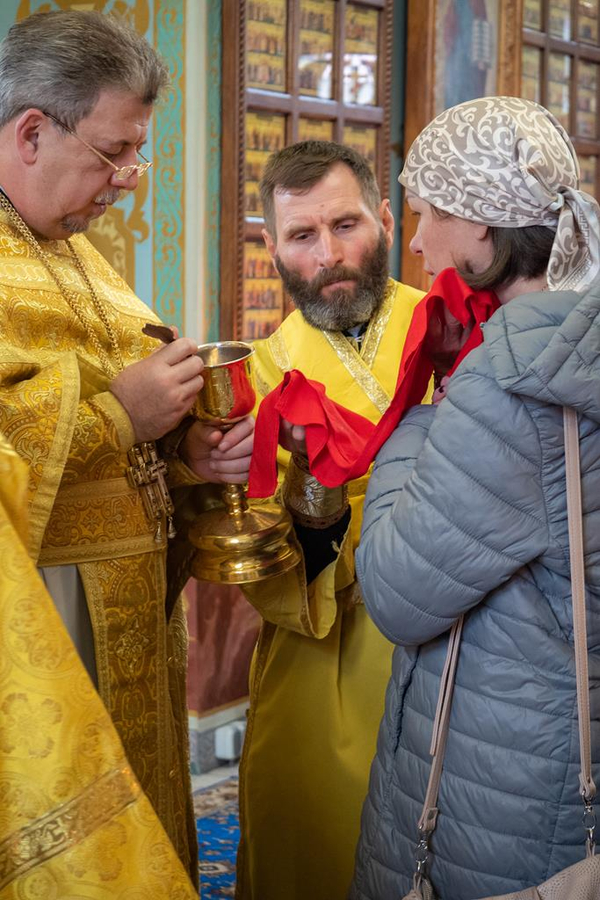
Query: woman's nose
415	244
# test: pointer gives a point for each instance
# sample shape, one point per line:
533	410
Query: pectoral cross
147	472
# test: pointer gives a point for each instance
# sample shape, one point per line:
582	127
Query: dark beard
342	309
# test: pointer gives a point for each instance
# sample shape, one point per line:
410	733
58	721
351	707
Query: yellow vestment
57	412
73	819
321	666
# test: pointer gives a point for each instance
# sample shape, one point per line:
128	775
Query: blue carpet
217	821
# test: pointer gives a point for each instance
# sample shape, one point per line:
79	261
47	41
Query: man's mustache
331	276
108	197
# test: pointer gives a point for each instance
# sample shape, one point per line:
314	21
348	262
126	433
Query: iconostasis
296	70
560	66
543	50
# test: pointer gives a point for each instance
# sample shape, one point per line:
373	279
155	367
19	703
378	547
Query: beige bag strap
441	723
428	820
439	735
575	521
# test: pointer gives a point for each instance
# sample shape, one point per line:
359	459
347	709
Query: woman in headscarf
466	514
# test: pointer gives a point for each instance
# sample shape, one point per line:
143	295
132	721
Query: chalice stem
236	504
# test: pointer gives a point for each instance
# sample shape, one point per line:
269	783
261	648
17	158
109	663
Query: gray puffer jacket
466	512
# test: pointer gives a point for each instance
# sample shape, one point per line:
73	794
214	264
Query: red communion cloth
341	444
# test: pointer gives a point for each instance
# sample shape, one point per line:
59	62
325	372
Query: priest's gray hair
60	62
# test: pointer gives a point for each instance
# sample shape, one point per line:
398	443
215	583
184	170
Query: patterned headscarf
508	162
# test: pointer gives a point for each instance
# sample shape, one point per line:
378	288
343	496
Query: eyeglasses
122	173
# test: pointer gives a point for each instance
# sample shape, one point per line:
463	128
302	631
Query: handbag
582	880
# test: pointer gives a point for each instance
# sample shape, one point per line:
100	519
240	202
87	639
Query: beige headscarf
508	162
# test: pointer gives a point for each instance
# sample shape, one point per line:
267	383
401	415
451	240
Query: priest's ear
28	128
387	222
269	243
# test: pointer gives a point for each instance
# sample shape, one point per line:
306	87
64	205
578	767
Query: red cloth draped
341	444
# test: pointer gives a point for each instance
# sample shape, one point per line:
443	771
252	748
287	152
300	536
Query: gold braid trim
311	503
262	386
357	368
359	365
377	326
67	825
279	351
96	520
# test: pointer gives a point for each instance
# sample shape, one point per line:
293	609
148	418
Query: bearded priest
321	667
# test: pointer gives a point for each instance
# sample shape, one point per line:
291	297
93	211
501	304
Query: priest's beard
77	224
342	309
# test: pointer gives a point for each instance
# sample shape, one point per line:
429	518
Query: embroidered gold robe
73	818
57	412
321	667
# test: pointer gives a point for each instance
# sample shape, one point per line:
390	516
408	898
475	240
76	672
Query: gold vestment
73	819
57	412
321	666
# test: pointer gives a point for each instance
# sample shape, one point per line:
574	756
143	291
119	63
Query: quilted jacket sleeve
450	517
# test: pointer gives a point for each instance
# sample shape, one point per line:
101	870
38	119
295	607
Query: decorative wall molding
170	146
213	171
509	48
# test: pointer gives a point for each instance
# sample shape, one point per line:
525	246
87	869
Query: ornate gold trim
262	386
115	410
279	351
45	496
99	551
89	490
67	825
103	500
137	700
359	366
358	370
377	326
311	503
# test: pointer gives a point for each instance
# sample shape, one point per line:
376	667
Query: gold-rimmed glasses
122	173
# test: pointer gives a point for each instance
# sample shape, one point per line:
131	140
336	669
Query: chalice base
254	545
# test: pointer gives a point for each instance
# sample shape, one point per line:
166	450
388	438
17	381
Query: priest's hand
292	437
444	340
219	457
158	391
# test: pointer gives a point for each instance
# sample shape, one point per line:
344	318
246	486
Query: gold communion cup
242	543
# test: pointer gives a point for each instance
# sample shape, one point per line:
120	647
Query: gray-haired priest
84	400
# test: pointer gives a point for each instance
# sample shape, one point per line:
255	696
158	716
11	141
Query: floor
199	782
217	821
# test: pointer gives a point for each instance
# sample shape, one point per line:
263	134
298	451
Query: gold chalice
242	543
